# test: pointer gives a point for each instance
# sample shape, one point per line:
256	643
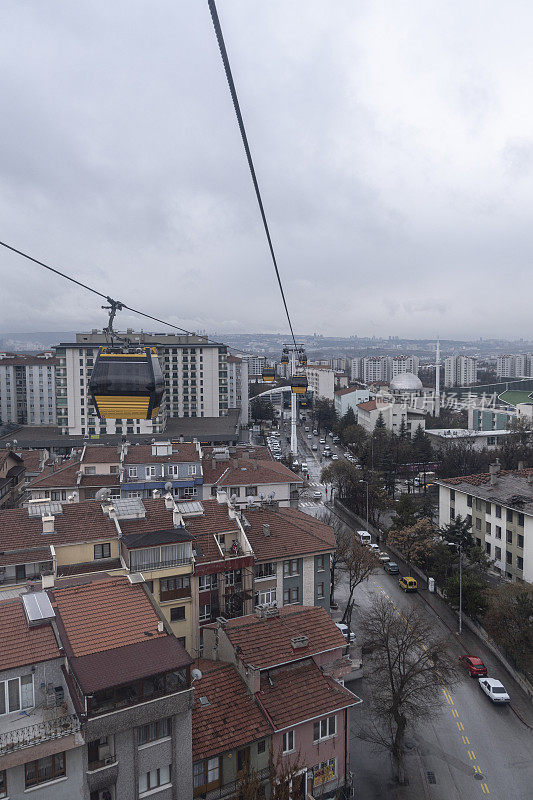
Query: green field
513	397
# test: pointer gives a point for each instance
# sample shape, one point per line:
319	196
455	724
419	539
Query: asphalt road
472	748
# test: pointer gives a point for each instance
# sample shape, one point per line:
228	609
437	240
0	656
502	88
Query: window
291	596
177	613
478	524
243	761
206	775
267	597
290	567
498	553
102	551
113	469
261	746
132	472
521	520
207	582
452	495
154	731
487	508
469	520
154	779
320	563
267	570
3	783
508	557
487	548
324	772
324	728
90	470
16	694
509	515
488	528
519	562
288	741
509	537
498	511
469	500
498	532
172	588
192	469
45	769
520	541
205	612
478	504
150	472
320	591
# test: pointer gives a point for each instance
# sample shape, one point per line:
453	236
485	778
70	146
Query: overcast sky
393	143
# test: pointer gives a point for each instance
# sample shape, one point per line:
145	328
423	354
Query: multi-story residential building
350	398
393	415
27	389
78	478
514	366
256	364
238	387
339	364
292	661
442	438
355	369
499	507
397	365
292	553
95	694
194	370
321	380
174	467
248	479
12	479
460	371
489	419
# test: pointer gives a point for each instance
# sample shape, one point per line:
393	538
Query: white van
364	537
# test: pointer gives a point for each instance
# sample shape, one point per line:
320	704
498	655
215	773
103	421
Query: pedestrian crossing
309	504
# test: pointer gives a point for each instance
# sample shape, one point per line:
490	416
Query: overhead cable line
236	106
117	303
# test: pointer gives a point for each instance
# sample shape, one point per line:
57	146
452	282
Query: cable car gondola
299	384
127	383
285	356
302	358
269	374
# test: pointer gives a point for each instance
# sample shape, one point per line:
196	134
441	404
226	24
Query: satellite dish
233	498
103	494
153	441
168	486
196	675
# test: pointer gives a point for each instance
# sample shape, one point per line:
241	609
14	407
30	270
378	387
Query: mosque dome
406	382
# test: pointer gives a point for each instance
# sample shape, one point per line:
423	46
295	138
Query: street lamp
362	481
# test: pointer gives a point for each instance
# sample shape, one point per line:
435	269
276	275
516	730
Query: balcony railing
176	562
32	735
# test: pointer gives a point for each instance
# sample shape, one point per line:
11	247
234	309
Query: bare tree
414	543
356	563
341	534
408	667
284	774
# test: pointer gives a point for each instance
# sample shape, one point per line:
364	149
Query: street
472	748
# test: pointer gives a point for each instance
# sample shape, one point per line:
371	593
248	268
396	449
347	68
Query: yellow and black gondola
126	383
269	374
299	384
285	356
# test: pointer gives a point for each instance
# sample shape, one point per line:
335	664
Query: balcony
149	565
45	731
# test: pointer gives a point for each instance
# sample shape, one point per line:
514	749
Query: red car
474	665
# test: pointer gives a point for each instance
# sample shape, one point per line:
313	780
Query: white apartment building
238	396
321	380
393	414
396	365
27	389
256	365
460	371
382	368
514	366
350	397
355	369
499	507
339	364
194	370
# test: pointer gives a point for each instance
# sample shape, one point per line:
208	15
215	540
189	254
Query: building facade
194	370
238	395
321	380
28	389
460	371
394	416
350	398
514	366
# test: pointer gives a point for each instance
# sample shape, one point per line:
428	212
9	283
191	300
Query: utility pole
294	438
460	588
362	481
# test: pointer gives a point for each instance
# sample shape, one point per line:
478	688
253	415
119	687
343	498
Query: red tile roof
78	522
215	519
26	556
32	460
19	644
370	405
101	454
28	361
236	451
299	692
181	452
234	360
104	614
248	472
347	390
232	719
266	642
292	533
61	477
484	477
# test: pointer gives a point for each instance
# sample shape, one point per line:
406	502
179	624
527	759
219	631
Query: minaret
436	405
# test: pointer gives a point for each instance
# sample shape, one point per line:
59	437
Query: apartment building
339	364
28	389
164	466
247	479
292	661
350	397
255	364
12	479
382	368
292	553
238	396
460	371
514	366
97	696
489	419
194	370
499	507
321	380
392	414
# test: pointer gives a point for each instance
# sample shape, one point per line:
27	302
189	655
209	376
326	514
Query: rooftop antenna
436	404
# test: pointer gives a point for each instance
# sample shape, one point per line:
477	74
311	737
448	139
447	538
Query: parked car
346	632
304	465
408	584
474	665
314	447
383	557
322	441
317	495
391	567
334	457
494	689
315	432
373	547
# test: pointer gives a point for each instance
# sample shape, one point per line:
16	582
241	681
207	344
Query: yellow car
408	584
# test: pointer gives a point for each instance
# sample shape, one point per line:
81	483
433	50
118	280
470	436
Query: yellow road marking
460	726
466	740
476	768
485	788
471	755
448	696
455	713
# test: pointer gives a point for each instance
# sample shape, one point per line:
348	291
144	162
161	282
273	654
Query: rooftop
231	718
247	472
511	488
20	644
462	433
291	533
266	642
181	452
101	454
347	390
298	692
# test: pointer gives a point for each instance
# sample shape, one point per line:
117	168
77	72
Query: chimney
156	494
266	529
177	519
245	454
160	626
48	524
169	502
520	465
213	463
493	470
47	580
255	465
